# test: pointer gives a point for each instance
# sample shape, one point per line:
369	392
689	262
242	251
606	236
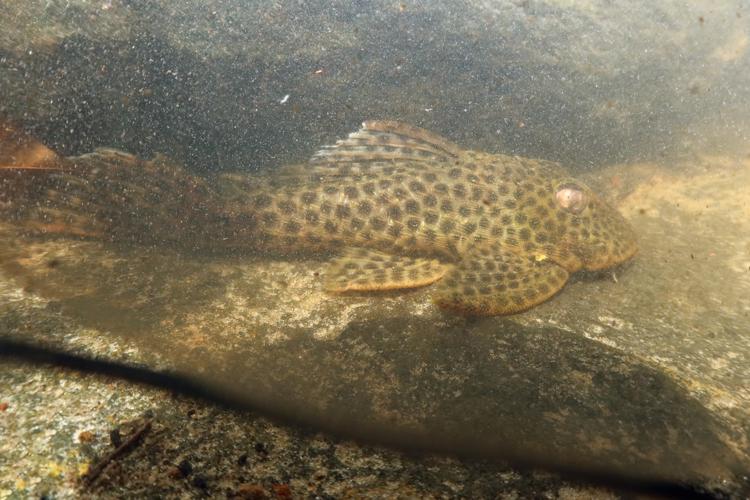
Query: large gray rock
642	371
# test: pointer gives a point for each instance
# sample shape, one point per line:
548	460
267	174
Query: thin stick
129	443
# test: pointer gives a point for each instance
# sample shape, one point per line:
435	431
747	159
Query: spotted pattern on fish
403	207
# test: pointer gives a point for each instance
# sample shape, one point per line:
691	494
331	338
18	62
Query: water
640	369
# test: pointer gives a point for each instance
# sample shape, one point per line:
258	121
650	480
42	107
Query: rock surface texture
642	369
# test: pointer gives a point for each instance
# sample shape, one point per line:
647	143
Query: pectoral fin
360	269
499	283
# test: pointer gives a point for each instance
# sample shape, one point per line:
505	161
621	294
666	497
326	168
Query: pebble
251	492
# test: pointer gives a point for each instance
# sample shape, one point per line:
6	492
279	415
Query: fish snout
615	245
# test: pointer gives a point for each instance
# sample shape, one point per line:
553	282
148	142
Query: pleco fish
398	206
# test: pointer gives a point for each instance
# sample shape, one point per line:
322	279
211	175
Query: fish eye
571	197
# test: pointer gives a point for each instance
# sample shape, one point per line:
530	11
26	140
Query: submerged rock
642	371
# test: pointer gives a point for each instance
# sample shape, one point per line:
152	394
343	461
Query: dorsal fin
381	140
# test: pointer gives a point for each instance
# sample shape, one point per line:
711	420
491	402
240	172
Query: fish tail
110	195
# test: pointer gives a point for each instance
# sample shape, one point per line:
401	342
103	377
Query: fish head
591	232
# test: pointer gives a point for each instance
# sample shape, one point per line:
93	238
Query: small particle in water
701	20
316	274
242	460
641	211
53	263
54	469
185	468
174	473
3	406
318	71
85	436
253	491
83	470
200	482
692	256
284	99
260	449
282	491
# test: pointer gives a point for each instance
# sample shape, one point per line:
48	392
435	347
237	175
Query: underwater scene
383	249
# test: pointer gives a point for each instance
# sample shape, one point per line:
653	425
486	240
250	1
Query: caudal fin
19	150
107	195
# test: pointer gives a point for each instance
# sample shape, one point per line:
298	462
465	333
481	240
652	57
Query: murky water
633	365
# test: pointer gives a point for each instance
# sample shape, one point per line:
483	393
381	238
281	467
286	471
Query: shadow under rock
489	387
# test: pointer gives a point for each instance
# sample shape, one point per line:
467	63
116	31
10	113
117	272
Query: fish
394	206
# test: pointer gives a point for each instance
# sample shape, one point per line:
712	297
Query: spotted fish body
407	208
401	207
